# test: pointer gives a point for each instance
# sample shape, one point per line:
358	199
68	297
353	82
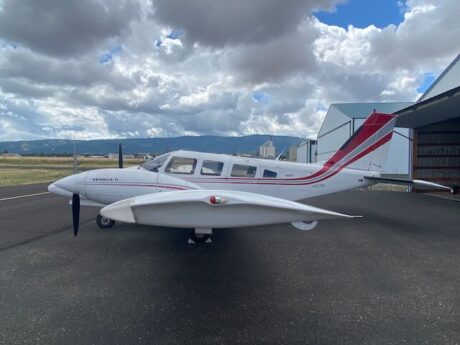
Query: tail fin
367	148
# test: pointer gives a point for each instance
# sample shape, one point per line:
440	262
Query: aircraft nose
69	183
52	188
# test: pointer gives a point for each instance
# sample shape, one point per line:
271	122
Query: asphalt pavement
392	277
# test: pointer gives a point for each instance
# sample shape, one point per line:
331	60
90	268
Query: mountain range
217	144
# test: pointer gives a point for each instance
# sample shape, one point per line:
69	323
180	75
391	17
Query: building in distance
267	149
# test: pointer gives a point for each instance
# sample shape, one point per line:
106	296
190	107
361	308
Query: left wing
215	209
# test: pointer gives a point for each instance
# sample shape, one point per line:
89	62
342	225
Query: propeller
75	212
75	197
120	157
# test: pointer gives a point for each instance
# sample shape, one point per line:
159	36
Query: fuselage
181	170
282	179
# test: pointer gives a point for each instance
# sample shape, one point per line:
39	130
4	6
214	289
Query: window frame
271	171
244	165
171	161
220	165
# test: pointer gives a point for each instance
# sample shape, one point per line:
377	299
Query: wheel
199	238
104	223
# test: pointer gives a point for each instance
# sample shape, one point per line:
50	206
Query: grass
15	177
27	170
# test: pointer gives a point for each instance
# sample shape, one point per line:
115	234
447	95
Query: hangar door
437	148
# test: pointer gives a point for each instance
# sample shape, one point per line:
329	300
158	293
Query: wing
214	209
408	182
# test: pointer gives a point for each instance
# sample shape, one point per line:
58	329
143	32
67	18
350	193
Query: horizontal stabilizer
213	209
408	182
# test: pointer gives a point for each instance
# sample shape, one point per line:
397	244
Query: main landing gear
104	223
200	235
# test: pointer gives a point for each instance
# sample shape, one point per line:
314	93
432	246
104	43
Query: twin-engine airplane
185	189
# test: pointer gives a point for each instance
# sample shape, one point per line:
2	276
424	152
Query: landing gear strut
200	235
104	223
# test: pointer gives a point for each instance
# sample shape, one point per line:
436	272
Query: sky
164	68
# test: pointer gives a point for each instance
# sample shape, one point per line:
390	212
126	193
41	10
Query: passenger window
269	173
212	168
181	165
243	171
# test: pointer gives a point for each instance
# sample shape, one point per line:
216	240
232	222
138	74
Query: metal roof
435	109
438	79
440	107
363	110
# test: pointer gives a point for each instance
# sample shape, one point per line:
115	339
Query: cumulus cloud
139	68
40	69
218	23
65	28
279	58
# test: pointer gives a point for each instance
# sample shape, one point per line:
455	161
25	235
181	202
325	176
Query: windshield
157	162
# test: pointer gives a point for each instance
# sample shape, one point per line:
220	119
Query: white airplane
202	191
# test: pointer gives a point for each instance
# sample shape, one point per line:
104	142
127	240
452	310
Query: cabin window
181	165
270	173
212	168
156	163
239	170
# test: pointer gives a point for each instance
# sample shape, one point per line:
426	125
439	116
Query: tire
201	238
104	223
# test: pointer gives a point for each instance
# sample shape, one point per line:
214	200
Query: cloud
43	70
65	28
218	23
279	58
144	68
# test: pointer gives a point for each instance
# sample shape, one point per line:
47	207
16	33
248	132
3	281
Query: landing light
216	200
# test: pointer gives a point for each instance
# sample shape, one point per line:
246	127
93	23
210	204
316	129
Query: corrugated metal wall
438	152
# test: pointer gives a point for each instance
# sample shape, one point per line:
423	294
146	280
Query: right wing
215	209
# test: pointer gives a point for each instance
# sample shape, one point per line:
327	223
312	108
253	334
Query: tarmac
391	277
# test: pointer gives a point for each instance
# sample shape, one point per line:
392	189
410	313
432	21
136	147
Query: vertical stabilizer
367	148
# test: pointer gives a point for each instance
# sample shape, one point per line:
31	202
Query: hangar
427	141
434	128
306	151
343	119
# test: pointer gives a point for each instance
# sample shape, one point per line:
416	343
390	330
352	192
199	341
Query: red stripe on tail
372	124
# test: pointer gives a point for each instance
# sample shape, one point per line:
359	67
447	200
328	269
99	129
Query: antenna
281	153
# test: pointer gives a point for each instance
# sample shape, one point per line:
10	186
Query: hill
244	144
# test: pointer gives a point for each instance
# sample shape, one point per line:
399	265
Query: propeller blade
75	212
120	157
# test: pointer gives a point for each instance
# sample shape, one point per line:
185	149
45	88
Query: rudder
367	148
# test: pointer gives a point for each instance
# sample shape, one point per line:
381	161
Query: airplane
205	191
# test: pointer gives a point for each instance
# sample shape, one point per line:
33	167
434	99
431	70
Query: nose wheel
104	223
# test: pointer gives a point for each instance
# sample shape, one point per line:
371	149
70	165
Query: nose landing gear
104	223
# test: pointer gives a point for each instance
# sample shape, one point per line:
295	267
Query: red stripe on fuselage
136	185
295	182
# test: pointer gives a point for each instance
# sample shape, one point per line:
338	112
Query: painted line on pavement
23	196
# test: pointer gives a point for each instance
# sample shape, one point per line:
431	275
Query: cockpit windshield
156	163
